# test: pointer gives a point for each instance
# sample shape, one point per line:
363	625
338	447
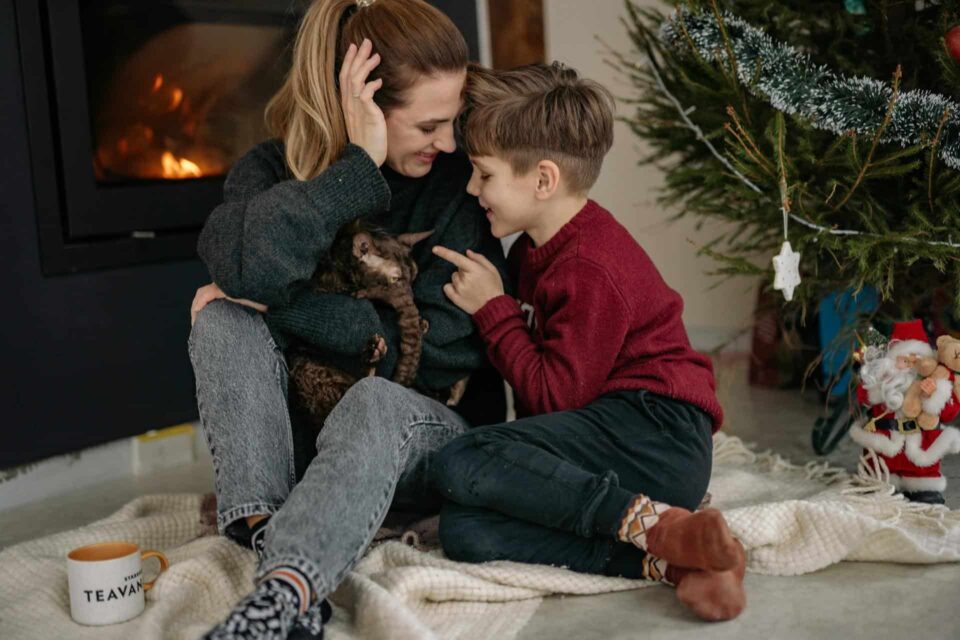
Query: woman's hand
208	293
475	282
366	124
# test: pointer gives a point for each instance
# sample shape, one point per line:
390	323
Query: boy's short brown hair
539	112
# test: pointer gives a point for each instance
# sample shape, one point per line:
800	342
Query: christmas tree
829	124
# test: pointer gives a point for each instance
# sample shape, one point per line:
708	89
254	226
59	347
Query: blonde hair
539	112
412	38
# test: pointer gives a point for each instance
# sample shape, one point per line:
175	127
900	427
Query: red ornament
953	43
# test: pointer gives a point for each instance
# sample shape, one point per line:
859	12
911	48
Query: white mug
106	581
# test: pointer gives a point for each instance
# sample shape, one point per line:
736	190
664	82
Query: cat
365	262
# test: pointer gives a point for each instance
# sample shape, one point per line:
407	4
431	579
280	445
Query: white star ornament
787	268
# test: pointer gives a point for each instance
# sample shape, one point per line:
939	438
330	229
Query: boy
613	450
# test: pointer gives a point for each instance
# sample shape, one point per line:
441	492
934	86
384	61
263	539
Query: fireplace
99	321
137	109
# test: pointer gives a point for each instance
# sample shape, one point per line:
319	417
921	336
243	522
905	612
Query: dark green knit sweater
263	244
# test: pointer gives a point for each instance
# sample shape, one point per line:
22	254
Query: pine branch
933	157
888	117
741	132
795	85
883	235
730	57
781	154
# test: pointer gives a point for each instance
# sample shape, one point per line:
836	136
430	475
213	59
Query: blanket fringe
867	491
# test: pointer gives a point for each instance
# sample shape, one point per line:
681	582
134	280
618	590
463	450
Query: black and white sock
309	626
270	612
257	532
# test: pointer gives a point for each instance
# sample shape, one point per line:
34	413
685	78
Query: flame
178	168
143	147
176	97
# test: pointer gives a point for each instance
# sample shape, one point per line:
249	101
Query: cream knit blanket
791	519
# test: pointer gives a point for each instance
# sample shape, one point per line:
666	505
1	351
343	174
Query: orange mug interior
103	551
112	550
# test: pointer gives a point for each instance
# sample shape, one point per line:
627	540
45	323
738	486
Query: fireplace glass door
162	100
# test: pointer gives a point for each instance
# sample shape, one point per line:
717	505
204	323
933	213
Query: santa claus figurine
912	455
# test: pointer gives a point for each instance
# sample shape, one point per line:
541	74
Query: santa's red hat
910	338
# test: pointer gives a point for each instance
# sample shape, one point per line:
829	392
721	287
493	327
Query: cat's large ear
411	239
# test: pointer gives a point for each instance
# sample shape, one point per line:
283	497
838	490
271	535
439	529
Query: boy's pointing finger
481	259
454	258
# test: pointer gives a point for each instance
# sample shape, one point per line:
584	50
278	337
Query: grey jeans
376	446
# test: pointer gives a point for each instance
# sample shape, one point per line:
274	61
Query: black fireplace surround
100	262
69	50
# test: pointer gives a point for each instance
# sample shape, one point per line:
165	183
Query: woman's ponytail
306	112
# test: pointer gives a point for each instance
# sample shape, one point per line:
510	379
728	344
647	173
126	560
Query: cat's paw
457	391
375	350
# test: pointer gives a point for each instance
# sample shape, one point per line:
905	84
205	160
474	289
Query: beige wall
629	191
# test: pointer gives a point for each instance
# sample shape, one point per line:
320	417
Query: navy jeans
551	489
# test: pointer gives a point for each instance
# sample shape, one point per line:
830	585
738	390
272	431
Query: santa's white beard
885	383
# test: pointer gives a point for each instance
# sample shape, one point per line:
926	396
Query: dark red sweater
594	316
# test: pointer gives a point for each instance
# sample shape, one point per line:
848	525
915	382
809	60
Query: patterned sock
641	515
269	613
309	626
257	532
711	595
699	540
656	570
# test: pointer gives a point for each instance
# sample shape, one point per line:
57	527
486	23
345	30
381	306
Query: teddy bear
948	354
926	399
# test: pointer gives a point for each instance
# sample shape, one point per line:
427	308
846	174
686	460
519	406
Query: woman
360	136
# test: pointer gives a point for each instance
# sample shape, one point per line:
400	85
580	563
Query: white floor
849	600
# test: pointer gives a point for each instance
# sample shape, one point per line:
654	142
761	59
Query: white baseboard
40	480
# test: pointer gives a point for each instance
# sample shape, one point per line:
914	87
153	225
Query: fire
176	97
174	168
157	139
